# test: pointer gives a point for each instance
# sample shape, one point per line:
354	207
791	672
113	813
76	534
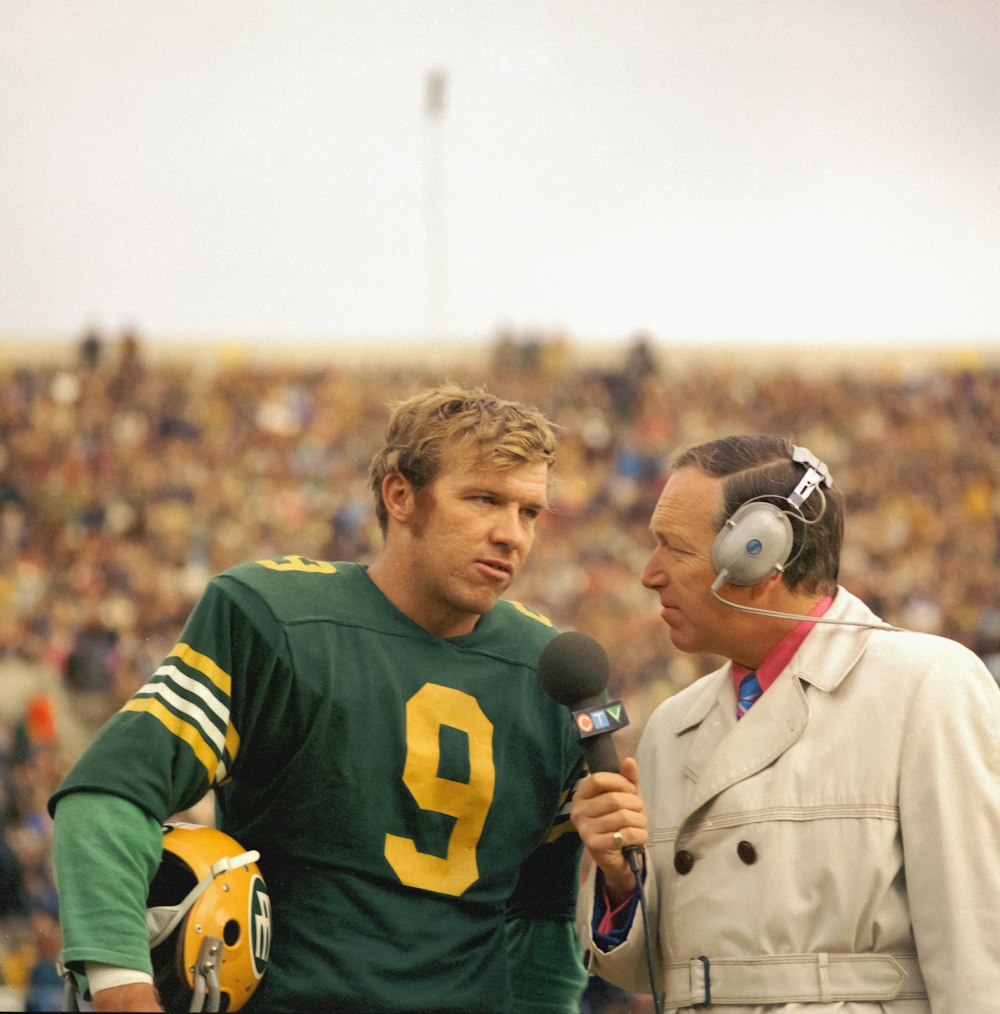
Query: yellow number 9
468	802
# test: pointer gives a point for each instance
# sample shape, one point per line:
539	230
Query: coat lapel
724	751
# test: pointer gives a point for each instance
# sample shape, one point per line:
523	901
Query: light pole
435	210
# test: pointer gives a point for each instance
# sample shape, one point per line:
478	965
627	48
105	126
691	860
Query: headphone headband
816	473
803	456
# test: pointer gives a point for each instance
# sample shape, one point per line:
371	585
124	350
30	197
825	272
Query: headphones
756	541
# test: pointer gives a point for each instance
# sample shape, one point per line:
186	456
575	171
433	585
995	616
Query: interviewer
820	815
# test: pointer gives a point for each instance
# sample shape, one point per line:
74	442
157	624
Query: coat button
746	852
683	862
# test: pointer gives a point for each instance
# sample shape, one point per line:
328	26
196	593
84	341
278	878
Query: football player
377	733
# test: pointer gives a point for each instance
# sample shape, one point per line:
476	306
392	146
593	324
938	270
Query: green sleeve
105	853
547	973
543	951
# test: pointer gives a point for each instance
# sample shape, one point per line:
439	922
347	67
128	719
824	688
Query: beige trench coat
837	849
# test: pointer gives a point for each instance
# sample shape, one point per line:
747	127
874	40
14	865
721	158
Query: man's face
471	532
680	568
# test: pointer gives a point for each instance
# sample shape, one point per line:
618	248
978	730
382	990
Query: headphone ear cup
754	543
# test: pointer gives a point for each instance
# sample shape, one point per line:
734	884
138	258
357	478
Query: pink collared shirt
773	666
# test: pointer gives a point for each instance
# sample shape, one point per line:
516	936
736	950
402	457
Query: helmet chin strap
162	920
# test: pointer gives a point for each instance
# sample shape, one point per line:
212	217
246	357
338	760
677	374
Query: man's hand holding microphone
610	817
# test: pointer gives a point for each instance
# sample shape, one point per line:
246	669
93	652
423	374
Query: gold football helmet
209	921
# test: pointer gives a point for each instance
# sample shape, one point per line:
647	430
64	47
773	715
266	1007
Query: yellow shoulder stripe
232	741
180	728
204	665
521	608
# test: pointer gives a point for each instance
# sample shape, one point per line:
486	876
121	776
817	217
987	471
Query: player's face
471	533
680	568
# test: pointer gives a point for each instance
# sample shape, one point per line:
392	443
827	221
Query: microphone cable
631	853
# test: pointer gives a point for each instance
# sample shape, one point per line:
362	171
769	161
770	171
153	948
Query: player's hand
604	805
134	996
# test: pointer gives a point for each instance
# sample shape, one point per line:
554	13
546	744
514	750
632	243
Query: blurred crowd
126	483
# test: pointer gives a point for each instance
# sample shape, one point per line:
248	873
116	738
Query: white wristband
101	976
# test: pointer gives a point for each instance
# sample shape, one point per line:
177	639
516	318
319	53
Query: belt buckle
703	967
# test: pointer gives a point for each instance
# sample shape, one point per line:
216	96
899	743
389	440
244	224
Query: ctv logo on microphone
608	717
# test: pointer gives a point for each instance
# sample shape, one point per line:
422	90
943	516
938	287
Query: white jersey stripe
189	710
195	687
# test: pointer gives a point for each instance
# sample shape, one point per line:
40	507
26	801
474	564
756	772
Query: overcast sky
695	169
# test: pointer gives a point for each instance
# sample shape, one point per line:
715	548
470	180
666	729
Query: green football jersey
407	794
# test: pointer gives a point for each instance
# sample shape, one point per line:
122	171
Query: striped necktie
749	692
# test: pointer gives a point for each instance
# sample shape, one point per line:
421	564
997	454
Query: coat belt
792	978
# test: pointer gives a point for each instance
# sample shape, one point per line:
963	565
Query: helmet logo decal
260	925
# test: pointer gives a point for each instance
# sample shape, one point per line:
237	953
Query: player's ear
398	496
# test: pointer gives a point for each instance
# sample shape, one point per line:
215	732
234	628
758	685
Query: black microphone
573	669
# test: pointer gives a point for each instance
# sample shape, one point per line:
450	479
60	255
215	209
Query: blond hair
423	429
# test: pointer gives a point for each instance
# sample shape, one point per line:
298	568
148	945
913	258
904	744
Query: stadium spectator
12	897
45	987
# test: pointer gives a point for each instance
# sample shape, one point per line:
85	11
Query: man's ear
398	496
763	588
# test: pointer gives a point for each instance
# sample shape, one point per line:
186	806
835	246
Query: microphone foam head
573	667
